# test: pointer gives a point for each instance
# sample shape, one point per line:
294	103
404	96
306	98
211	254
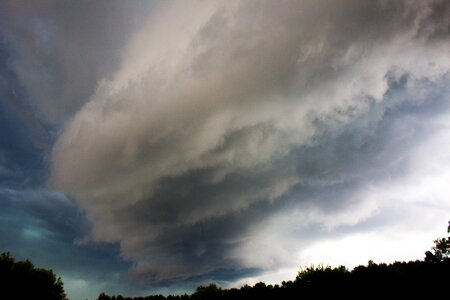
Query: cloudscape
148	147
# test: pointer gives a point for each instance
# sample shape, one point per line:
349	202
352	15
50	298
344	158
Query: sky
150	147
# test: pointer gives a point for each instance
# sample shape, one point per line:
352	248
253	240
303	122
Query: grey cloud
62	49
22	137
210	118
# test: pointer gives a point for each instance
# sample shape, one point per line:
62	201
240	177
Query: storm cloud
61	49
229	132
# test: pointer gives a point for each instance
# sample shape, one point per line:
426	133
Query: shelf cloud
221	118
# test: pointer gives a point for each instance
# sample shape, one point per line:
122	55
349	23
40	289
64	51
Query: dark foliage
402	280
429	278
440	250
21	280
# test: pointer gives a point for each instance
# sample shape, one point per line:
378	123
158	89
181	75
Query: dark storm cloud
327	184
51	56
17	154
23	138
51	213
223	117
216	140
42	226
62	49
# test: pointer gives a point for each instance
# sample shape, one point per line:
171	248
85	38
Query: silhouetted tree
322	281
211	291
21	280
401	280
103	296
440	250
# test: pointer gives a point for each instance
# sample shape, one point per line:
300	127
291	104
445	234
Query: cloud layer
221	117
62	49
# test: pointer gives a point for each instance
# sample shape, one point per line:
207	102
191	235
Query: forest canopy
22	280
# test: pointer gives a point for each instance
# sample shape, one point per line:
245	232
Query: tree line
400	279
429	277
